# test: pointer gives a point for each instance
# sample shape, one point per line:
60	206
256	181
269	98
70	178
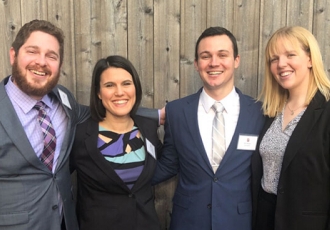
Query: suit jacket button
209	206
215	179
54	207
130	195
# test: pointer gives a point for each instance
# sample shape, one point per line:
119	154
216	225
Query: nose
119	91
41	60
214	61
282	61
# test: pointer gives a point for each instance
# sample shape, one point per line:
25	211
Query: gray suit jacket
28	190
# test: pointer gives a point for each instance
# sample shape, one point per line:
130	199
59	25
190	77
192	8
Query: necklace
292	110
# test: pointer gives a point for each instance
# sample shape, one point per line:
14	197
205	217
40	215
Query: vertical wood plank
109	29
82	17
10	23
166	84
193	23
321	30
246	31
220	13
140	43
166	51
33	9
60	14
300	13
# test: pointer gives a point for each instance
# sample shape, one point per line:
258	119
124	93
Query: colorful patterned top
125	153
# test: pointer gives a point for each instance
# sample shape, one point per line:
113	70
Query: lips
120	102
215	72
38	72
286	73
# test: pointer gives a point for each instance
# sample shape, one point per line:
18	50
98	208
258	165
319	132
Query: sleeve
148	113
168	164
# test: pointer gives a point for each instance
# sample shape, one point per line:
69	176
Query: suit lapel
97	157
191	116
303	128
13	127
150	162
245	111
68	134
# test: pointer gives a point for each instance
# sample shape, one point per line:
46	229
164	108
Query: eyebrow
37	47
219	51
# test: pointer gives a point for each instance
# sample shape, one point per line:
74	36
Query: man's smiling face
36	67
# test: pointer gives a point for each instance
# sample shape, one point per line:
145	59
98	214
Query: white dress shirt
206	115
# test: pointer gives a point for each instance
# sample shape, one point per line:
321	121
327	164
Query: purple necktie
47	156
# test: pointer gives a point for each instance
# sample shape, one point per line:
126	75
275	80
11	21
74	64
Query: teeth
120	102
285	74
215	73
38	73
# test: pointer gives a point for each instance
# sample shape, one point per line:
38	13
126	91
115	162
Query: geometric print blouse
124	152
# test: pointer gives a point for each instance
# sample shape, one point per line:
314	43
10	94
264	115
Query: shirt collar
24	101
231	99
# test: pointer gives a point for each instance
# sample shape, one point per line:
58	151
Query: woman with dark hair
115	152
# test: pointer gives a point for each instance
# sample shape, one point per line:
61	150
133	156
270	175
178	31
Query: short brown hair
39	25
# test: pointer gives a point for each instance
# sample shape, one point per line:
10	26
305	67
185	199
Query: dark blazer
103	200
28	190
303	193
204	200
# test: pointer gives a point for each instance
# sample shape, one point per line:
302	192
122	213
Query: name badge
151	149
247	142
64	99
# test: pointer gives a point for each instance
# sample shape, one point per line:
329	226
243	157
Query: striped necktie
218	136
47	156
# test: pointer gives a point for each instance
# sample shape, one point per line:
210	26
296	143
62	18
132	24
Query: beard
30	88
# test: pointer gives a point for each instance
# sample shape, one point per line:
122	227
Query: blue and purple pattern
128	165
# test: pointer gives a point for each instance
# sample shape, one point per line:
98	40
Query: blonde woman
291	167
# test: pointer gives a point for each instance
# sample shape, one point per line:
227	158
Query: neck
117	124
218	95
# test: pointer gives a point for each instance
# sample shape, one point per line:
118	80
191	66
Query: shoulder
247	100
89	124
187	100
60	89
144	121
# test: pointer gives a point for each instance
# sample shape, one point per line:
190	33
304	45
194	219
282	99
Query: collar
24	101
231	99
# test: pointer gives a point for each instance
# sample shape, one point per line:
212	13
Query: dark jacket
103	200
303	193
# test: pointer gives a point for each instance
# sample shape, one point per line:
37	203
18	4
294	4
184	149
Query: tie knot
218	107
39	105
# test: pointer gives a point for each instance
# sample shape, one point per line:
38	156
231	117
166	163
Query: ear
310	64
237	61
12	55
196	65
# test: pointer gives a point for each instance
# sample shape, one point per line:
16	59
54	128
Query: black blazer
103	200
303	193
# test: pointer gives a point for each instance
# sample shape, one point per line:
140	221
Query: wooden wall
159	37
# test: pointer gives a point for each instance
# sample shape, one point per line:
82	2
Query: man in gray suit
32	196
35	195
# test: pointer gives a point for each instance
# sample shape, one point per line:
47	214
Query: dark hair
39	25
96	106
214	31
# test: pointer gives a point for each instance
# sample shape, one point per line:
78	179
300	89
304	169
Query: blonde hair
274	95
